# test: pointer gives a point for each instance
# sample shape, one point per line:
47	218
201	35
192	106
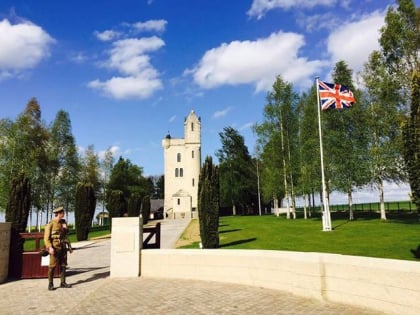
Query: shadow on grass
239	242
228	231
416	252
392	216
341	224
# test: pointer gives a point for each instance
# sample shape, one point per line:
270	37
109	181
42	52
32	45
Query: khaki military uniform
53	237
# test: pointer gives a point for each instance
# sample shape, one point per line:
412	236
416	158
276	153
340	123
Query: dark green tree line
237	173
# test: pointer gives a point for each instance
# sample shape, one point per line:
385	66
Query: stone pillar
4	250
126	243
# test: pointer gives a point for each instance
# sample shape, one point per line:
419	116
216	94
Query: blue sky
129	71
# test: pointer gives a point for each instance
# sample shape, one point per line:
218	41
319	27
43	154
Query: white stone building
182	159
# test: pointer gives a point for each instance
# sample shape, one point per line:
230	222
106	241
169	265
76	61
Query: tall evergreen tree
208	204
17	213
145	208
85	205
236	172
64	164
412	142
116	204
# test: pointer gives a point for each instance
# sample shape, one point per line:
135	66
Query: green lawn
29	244
362	237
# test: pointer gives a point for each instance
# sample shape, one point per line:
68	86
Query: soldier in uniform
54	241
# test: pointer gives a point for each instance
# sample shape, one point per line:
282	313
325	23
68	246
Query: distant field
366	236
405	206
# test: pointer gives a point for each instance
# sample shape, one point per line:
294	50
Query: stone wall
387	285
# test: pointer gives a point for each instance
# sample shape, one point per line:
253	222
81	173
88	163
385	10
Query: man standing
54	242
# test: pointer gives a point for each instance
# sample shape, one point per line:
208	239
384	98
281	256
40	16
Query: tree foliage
17	212
127	188
277	136
412	141
116	204
85	205
345	137
64	164
400	47
236	172
309	180
208	204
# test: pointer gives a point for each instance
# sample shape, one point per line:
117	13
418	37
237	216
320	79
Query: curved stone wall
388	285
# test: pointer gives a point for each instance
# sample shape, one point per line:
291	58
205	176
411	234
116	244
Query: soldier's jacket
52	234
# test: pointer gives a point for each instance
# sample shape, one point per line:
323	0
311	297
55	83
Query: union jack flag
335	96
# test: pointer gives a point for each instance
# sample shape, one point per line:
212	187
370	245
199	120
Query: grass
362	237
29	244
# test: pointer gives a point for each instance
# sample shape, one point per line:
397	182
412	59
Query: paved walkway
93	292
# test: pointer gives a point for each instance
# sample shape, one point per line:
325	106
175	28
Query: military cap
57	210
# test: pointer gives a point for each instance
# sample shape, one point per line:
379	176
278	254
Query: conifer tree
85	205
17	212
208	204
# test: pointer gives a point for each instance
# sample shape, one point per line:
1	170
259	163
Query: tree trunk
382	200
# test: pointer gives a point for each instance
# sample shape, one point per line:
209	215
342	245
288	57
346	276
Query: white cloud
107	35
260	7
139	78
172	118
246	126
221	113
256	62
115	150
132	87
22	46
78	57
354	41
151	25
128	55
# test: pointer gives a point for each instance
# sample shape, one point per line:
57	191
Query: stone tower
182	159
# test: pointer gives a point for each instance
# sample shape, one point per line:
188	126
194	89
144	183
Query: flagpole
326	216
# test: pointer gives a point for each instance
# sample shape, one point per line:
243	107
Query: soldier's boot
50	279
63	278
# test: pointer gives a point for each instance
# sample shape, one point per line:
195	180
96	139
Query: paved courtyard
93	292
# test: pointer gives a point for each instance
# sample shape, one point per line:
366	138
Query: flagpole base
326	223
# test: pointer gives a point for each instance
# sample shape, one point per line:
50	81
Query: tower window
192	153
176	172
193	182
178	157
179	201
192	126
181	172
